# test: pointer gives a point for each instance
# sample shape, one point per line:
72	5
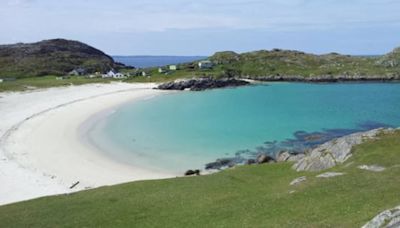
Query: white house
119	76
206	64
114	74
161	70
173	67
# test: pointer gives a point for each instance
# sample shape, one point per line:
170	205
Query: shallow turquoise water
185	130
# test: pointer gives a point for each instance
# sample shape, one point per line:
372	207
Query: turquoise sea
186	130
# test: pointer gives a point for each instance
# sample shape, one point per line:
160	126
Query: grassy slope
251	196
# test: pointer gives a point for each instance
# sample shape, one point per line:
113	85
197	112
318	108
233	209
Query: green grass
248	196
46	82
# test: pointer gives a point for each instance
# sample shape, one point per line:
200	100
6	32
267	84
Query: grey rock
298	180
250	162
263	158
295	158
372	168
283	156
202	84
330	174
286	156
192	172
335	152
388	219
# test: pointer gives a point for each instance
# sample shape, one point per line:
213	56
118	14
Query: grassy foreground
248	196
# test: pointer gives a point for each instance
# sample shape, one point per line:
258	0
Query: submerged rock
388	218
202	84
335	151
221	163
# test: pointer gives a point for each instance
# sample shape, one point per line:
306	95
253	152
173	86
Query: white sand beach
40	150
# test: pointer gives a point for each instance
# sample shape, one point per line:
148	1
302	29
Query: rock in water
388	218
192	172
335	152
202	84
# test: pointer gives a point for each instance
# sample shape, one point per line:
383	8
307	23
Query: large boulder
264	158
388	218
335	151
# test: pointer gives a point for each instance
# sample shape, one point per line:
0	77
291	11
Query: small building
1	80
119	76
173	67
161	70
113	74
206	64
77	72
144	73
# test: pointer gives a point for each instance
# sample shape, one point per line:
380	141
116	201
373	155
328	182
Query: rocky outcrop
263	158
372	168
286	156
388	218
298	180
202	84
330	174
335	151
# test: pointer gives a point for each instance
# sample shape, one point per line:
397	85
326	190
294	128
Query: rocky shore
202	84
318	158
336	151
327	78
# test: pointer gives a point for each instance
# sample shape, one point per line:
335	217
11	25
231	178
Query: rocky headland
200	84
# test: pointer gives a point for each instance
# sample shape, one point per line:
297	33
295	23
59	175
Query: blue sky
202	27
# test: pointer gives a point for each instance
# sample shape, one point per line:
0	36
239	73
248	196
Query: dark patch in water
301	142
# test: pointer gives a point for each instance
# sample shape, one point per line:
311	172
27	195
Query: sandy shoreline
40	149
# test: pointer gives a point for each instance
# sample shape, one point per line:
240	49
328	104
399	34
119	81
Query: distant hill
297	63
51	57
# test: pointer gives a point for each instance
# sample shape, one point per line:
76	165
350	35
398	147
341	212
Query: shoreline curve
41	153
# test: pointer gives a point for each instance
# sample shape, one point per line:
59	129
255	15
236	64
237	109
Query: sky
202	27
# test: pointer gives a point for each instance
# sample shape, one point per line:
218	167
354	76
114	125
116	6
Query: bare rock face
388	219
372	168
286	156
330	174
298	180
334	152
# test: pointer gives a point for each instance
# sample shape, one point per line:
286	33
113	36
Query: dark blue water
154	61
